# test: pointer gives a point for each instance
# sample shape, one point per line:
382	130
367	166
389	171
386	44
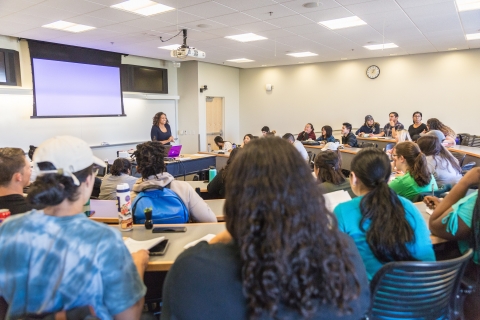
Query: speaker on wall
10	68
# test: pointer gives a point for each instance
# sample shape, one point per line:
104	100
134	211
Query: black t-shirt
415	132
157	135
16	203
205	282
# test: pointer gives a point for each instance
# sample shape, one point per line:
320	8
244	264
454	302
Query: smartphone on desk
159	249
168	229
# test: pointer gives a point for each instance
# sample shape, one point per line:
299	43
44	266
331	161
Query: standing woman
282	256
161	129
417	127
435	124
384	226
414	177
326	135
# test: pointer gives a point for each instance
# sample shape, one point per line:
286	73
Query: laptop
172	152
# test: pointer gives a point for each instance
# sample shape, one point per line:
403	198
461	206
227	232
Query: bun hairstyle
291	250
119	166
389	231
51	189
271	133
157	116
431	146
416	161
328	165
149	157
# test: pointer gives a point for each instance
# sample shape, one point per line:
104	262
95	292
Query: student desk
347	154
381	142
193	165
221	159
177	240
199	184
473	153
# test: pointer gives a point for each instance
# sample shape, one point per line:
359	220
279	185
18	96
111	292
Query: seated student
223	145
216	187
435	124
15	174
119	173
265	130
297	144
329	173
457	218
394	125
417	127
282	256
307	133
247	138
384	226
402	136
59	259
151	166
370	127
440	161
349	140
413	175
326	135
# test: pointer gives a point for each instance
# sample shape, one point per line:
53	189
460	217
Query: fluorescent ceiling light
242	60
393	54
246	37
343	58
343	23
302	54
68	26
472	36
381	46
171	47
143	7
467	5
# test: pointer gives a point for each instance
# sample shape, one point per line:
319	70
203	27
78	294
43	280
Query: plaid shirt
388	128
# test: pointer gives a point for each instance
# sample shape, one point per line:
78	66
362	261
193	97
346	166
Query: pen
433	195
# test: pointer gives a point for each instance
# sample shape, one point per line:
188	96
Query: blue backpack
167	207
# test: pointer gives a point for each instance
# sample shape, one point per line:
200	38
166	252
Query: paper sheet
429	211
207	238
134	245
332	199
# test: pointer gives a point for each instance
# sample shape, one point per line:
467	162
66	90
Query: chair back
464	139
475	141
389	146
368	145
311	159
459	156
417	290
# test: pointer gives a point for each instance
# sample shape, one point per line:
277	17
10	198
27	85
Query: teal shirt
407	187
463	209
349	216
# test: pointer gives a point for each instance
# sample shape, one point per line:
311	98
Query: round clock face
373	72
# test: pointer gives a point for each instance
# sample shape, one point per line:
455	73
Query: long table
472	153
193	165
220	159
381	142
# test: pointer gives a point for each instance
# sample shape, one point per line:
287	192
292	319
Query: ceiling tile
277	11
471	21
43	34
77	6
257	27
210	25
91	21
234	19
375	6
290	21
178	4
176	16
416	3
227	31
438	9
329	14
147	24
297	5
114	15
361	35
53	14
16	5
208	9
307	29
245	4
437	23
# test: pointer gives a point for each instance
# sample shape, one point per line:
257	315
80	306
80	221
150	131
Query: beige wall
441	85
188	106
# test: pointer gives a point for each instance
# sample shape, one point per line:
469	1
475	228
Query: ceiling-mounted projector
182	53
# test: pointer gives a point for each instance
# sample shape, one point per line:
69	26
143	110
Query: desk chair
368	145
459	156
417	290
475	141
389	146
464	139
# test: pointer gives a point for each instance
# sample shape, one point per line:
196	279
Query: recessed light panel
143	7
302	54
171	47
473	36
468	5
381	46
68	26
343	23
246	37
242	60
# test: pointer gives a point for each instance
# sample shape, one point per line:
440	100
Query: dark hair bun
51	190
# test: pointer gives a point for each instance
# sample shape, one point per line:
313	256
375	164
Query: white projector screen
68	89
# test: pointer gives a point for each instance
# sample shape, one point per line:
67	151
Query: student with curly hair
413	175
282	256
435	124
119	173
151	165
385	227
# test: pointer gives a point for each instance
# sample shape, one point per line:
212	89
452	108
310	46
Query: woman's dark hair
149	157
329	169
249	135
31	151
431	146
51	189
435	124
218	140
232	156
416	161
265	129
157	116
291	250
328	131
389	231
417	112
311	126
119	166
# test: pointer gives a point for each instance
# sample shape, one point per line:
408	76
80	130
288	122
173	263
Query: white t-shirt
227	146
443	171
299	146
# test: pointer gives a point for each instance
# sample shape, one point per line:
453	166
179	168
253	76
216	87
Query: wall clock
373	72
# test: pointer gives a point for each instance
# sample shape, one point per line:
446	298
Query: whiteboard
17	129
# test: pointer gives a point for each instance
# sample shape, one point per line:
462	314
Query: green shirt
407	187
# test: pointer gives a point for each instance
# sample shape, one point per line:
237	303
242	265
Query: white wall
440	85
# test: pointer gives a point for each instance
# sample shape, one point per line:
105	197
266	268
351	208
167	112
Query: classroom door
214	119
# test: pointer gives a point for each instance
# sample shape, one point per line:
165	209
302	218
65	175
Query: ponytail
416	161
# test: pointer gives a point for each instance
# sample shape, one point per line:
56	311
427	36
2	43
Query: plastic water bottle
209	147
125	219
212	172
234	146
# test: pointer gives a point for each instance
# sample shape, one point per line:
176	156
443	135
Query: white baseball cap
68	154
331	146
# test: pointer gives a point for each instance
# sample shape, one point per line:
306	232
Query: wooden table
380	141
199	184
221	159
472	153
347	154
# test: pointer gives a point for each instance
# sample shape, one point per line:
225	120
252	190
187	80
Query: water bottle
212	172
234	146
209	147
125	219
